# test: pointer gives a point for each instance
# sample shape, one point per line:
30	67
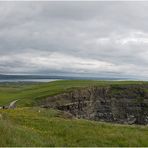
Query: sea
28	80
41	78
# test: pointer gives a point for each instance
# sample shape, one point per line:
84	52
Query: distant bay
46	78
28	80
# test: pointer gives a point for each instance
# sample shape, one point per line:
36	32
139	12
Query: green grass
41	127
33	126
30	93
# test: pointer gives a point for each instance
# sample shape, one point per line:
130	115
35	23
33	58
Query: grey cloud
111	36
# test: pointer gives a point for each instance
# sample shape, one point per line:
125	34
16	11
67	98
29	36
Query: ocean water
28	80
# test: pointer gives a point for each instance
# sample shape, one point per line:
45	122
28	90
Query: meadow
40	127
28	93
30	125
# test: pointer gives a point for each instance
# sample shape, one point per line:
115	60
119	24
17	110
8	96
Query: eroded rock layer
121	104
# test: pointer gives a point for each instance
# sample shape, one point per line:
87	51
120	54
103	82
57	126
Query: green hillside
29	93
40	127
30	125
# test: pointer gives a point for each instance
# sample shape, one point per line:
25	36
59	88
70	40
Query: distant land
48	77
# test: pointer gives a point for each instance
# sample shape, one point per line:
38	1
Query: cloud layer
74	38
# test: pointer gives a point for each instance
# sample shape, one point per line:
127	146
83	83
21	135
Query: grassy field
29	125
29	93
40	127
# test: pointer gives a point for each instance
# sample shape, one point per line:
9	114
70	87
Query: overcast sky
104	39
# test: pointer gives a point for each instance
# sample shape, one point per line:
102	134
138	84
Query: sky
95	39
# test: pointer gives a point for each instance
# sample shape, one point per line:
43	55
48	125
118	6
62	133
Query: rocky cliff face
121	104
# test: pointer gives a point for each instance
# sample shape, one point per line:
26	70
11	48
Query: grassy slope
40	127
28	94
29	127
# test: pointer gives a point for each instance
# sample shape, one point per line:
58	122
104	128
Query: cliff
115	103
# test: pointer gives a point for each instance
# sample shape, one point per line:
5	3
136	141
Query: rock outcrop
12	105
121	104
